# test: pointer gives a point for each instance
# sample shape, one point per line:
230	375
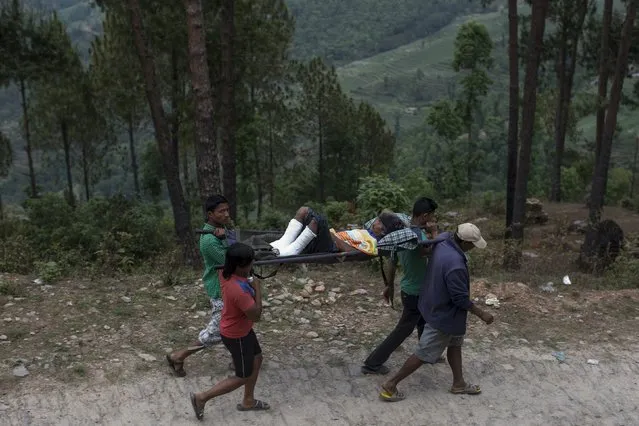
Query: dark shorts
243	352
324	242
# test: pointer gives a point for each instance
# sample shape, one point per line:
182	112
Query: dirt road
520	386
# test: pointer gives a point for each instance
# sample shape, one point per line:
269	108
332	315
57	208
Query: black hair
424	205
213	201
391	222
238	255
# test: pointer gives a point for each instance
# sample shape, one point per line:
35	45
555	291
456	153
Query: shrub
377	193
618	185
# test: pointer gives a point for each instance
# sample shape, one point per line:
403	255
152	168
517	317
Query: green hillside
390	80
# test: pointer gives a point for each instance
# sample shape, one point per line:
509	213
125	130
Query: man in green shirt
213	249
414	264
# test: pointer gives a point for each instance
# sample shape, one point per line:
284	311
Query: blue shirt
444	299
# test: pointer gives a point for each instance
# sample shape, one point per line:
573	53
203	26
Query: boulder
535	214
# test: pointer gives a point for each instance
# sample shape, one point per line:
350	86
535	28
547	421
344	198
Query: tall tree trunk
565	79
175	109
66	144
271	169
186	175
513	111
227	36
206	153
181	214
321	158
634	170
27	139
600	177
259	182
603	74
85	171
537	26
134	157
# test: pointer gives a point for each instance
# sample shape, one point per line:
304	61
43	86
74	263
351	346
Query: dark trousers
411	318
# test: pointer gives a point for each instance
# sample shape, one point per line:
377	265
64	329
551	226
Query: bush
618	185
339	213
116	233
49	272
493	203
573	187
417	185
377	193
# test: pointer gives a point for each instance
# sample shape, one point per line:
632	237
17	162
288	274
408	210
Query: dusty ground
94	350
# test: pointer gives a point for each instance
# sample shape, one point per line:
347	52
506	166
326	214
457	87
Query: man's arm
457	282
392	267
215	251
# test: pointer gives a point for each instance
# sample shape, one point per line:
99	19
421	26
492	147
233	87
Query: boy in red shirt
242	297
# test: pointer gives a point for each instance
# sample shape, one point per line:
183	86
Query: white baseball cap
469	232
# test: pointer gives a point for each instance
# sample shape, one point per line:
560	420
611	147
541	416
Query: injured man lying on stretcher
308	232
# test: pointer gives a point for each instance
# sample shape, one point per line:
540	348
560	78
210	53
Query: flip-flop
468	390
199	412
391	396
173	366
257	406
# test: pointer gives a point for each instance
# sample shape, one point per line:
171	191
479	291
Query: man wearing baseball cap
444	302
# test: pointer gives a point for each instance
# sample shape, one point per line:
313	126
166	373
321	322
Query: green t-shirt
213	252
413	268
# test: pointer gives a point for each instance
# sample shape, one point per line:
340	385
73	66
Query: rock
508	367
358	291
308	289
312	335
530	254
304	321
452	214
480	220
336	290
320	289
3	407
170	298
126	299
535	214
578	226
106	327
203	314
593	362
20	371
3	337
277	302
265	303
147	357
38	281
331	300
316	302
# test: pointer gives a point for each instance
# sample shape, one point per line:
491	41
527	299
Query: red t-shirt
238	296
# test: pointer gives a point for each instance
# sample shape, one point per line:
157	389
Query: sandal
199	412
388	396
257	406
468	390
176	367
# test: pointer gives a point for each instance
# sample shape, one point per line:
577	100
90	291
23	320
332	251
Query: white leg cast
297	246
292	231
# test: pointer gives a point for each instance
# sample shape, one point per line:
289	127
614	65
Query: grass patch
16	333
80	370
13	289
